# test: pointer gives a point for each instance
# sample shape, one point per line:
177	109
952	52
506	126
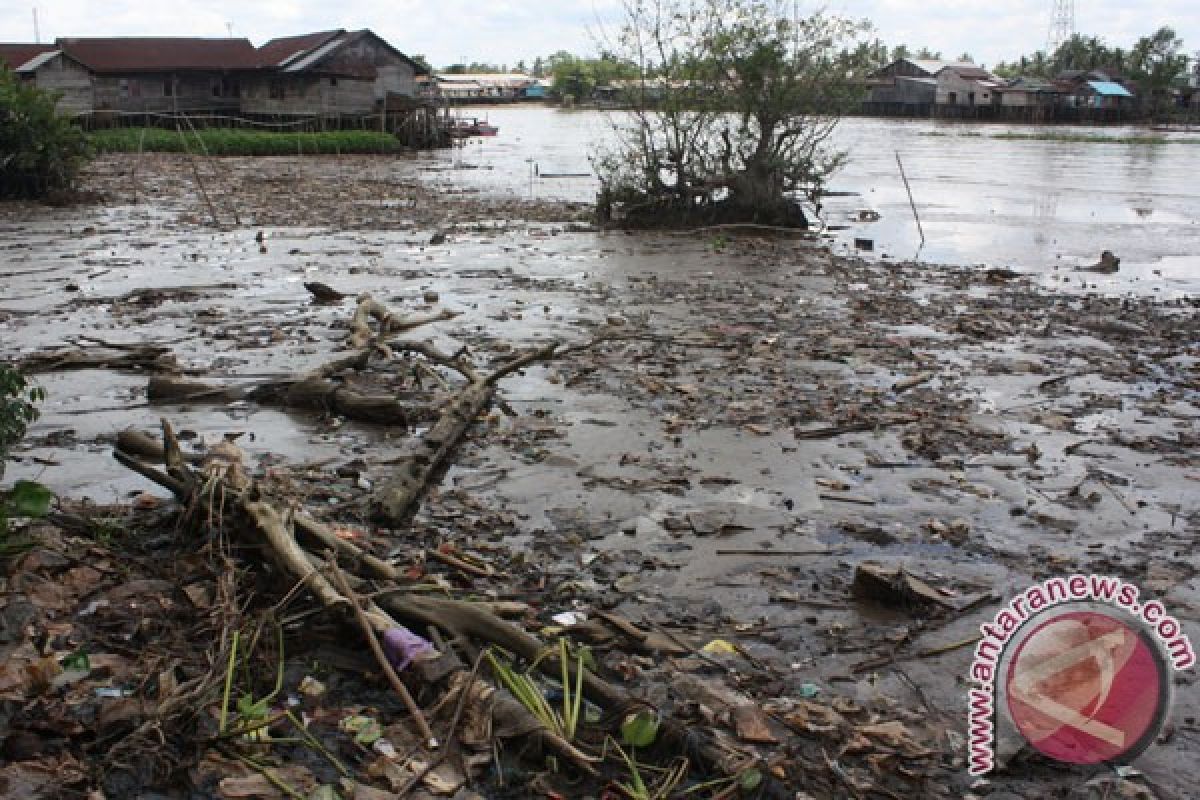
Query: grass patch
1090	138
237	142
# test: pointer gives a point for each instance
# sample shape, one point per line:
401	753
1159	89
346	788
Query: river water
1032	205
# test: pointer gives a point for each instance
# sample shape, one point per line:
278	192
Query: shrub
25	498
41	152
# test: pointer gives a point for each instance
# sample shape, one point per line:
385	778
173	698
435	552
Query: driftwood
320	389
311	393
148	358
389	323
397	499
277	531
323	293
339	574
457	619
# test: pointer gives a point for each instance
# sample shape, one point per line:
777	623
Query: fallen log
459	619
397	498
311	393
149	358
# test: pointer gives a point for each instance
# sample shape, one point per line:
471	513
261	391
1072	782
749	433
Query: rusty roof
161	54
971	72
278	51
14	54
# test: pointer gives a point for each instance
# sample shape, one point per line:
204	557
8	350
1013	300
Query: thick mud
998	430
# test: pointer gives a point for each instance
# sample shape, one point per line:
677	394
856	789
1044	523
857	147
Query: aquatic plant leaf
29	499
639	729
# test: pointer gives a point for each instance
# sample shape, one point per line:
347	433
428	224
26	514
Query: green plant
240	142
41	152
18	408
529	693
637	788
24	499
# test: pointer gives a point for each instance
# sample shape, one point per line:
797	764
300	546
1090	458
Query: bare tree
731	113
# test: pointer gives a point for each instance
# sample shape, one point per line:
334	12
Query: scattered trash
895	587
402	647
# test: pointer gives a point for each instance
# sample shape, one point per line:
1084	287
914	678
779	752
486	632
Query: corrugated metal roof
313	56
934	66
1109	89
161	54
971	72
32	64
323	45
16	55
278	52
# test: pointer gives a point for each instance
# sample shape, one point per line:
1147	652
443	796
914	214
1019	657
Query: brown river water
1032	205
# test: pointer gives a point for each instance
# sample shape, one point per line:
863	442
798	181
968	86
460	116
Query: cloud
505	31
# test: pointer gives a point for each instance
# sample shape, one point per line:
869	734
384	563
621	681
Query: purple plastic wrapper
401	646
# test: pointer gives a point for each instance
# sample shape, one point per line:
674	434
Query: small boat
466	127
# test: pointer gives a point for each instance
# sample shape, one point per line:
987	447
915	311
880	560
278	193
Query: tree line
1157	62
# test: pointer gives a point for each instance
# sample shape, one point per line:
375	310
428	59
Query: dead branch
380	657
389	323
146	359
397	499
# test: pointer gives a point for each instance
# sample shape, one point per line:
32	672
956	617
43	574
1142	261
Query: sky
506	31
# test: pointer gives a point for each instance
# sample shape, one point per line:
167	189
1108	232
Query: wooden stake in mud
133	175
237	220
911	203
196	174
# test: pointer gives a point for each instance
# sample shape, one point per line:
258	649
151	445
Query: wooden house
327	73
907	86
1028	93
17	56
485	87
967	86
1096	90
160	74
47	67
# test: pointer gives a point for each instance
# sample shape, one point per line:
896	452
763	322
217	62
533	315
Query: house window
169	87
333	81
276	90
225	87
123	87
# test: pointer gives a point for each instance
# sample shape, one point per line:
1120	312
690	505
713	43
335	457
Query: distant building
317	74
906	86
538	90
1097	90
967	86
18	56
487	87
47	67
330	72
160	74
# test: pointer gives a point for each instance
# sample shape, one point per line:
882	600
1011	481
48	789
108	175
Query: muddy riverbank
766	418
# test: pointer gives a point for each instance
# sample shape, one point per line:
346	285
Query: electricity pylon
1062	24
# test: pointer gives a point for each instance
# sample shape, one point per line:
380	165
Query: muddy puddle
765	418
